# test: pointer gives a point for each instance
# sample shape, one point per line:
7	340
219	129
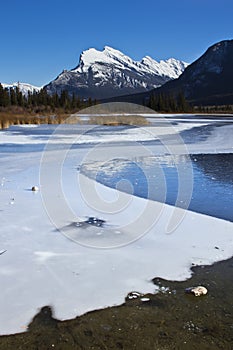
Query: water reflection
157	178
218	167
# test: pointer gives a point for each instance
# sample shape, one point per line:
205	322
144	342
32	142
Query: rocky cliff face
109	73
208	80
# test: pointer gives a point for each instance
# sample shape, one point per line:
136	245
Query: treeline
12	100
214	109
169	104
39	101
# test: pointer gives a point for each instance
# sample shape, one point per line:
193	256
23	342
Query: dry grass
20	116
116	120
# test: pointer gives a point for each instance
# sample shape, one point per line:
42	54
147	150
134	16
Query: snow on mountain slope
109	56
23	87
108	73
172	68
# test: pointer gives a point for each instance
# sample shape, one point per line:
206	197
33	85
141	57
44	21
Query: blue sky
40	38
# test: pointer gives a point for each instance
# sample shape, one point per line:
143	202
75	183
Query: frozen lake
46	260
212	180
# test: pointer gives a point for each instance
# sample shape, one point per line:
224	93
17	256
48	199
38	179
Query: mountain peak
110	49
221	45
88	57
109	73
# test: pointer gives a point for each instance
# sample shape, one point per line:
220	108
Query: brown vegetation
16	115
20	116
116	120
214	109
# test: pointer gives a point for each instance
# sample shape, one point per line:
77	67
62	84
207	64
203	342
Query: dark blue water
158	179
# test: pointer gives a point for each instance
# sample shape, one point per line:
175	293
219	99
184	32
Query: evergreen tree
13	97
19	97
4	97
182	104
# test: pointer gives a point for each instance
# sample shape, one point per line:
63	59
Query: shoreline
169	320
51	260
61	118
56	247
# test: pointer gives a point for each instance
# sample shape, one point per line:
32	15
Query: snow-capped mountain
108	73
208	80
23	87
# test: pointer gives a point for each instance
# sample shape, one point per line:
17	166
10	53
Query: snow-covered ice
15	136
42	266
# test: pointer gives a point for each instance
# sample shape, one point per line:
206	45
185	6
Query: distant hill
23	87
110	73
207	81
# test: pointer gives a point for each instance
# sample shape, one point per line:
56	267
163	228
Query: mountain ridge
207	80
109	73
25	88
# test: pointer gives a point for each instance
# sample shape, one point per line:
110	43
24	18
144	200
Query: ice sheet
42	266
17	137
167	130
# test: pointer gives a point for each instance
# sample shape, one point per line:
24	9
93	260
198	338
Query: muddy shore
170	319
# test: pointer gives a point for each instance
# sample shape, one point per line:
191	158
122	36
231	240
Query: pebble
145	299
134	295
197	291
